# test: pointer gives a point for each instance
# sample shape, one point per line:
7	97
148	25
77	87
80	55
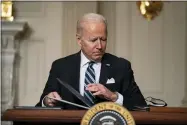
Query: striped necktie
89	78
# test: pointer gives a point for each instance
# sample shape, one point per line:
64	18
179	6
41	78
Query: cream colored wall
185	97
156	49
39	49
158	53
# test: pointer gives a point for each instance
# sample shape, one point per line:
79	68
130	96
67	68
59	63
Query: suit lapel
105	70
75	73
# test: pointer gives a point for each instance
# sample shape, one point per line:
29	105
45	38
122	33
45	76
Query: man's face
93	40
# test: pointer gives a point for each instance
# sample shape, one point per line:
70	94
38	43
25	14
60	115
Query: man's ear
78	38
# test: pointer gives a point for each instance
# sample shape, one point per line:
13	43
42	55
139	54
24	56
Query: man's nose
98	43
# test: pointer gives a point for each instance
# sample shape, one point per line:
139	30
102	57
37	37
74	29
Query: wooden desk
156	115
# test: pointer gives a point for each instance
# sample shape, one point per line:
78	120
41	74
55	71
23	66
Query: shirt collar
84	59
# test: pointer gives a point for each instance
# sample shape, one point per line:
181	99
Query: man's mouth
98	53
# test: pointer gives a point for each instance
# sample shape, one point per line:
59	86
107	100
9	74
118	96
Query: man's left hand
101	91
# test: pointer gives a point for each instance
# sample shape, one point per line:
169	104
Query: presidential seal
107	113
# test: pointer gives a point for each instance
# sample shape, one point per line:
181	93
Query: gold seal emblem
107	113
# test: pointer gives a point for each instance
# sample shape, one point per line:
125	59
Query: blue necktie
89	78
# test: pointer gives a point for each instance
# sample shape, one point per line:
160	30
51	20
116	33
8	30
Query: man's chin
98	58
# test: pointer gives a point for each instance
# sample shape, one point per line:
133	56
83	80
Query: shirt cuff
120	99
43	105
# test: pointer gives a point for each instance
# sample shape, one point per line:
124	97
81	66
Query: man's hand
51	102
101	91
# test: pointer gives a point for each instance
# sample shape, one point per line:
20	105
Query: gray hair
90	17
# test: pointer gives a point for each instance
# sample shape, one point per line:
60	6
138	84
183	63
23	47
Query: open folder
76	94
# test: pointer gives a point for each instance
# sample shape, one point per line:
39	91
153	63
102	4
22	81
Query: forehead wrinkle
88	27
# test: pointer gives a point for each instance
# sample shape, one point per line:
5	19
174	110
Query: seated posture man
97	75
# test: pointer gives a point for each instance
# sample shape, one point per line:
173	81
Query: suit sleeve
52	85
132	95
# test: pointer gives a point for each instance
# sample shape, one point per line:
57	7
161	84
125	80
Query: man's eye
103	39
93	40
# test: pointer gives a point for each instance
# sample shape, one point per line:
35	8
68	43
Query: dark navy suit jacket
68	70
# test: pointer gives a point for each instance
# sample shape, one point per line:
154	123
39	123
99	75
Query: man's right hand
51	102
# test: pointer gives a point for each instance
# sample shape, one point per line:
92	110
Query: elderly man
97	75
